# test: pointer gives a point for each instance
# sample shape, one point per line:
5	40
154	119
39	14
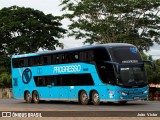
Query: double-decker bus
90	74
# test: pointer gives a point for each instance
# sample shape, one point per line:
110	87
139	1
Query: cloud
52	7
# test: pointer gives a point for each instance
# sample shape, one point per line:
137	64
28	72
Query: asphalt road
21	105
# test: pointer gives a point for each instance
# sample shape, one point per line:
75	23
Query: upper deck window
101	54
46	60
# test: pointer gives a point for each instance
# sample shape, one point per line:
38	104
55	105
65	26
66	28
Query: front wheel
83	98
35	97
28	97
95	98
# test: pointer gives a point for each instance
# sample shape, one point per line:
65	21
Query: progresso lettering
70	68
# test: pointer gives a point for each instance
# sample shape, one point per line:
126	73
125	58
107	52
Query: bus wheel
35	97
28	97
150	96
83	98
95	98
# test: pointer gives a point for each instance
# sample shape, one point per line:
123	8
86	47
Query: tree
5	80
107	21
152	76
24	30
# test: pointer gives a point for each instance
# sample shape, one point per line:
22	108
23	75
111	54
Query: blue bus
91	74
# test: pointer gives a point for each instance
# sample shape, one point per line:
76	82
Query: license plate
136	98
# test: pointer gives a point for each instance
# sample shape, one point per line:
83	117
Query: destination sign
130	61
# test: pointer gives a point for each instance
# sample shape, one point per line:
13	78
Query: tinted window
46	60
25	62
35	61
87	55
53	59
65	80
106	72
57	59
43	80
125	54
15	63
21	62
101	54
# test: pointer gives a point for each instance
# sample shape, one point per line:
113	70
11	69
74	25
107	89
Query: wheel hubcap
36	97
96	97
28	97
84	97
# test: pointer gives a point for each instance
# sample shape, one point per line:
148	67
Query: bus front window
132	77
106	73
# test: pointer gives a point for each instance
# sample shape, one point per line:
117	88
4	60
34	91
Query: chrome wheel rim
84	97
96	98
36	98
28	96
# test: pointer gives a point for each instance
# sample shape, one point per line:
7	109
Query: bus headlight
122	93
146	91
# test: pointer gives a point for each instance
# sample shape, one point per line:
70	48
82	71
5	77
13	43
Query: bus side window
21	62
90	55
57	58
61	58
83	56
25	62
101	55
76	56
48	80
53	59
67	58
15	63
87	56
46	60
36	61
29	61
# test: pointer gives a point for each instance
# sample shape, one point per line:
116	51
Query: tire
95	98
83	99
36	97
28	97
150	96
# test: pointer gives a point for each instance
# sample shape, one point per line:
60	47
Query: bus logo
26	76
133	50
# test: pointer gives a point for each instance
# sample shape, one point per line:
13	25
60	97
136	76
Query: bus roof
87	47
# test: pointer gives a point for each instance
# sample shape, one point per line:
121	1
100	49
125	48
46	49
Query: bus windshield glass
132	77
125	54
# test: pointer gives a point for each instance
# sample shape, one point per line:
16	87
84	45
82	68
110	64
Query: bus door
52	88
72	93
64	88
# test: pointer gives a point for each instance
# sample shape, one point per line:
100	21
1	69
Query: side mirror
151	63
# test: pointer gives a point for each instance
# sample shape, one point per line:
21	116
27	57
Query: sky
52	7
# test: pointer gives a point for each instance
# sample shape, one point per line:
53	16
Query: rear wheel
28	97
83	98
35	97
150	96
95	98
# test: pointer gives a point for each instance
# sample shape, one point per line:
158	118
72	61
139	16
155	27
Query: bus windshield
125	54
132	77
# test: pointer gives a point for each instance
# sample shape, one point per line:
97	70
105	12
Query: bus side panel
17	84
